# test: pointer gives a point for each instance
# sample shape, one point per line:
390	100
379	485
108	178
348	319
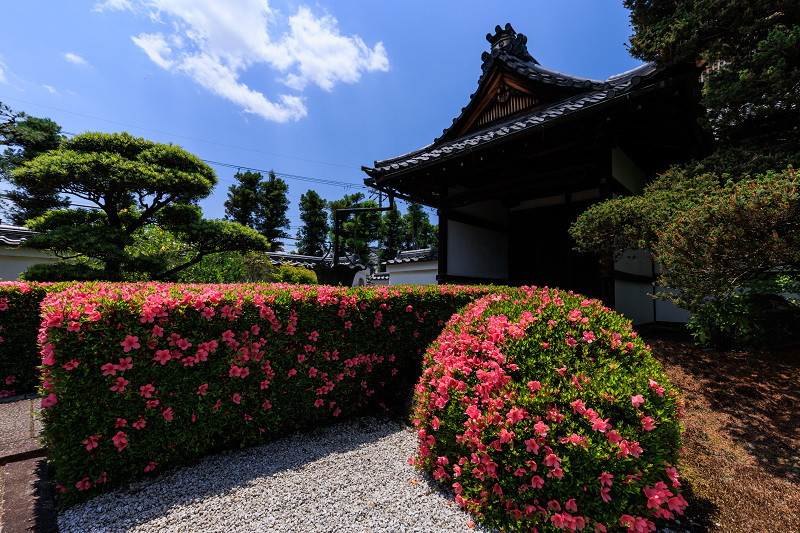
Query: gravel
353	477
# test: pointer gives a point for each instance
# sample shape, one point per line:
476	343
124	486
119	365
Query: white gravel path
353	477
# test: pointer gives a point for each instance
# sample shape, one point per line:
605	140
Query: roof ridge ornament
508	41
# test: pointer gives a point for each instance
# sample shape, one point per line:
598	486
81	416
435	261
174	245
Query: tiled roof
13	235
539	116
415	256
515	57
309	261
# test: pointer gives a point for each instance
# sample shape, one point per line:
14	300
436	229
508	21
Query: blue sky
314	90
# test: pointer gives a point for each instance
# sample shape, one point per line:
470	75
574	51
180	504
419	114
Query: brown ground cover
740	462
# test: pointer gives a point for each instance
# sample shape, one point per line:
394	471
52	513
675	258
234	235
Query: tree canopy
26	137
313	233
260	204
131	182
726	227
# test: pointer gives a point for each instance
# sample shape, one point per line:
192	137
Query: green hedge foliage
544	411
19	326
143	377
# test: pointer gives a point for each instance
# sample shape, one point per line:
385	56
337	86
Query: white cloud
76	59
3	78
156	48
51	89
216	41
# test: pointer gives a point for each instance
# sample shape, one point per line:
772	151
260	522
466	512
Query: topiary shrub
294	275
544	411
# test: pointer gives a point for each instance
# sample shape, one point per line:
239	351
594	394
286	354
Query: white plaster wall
667	312
633	301
476	252
635	262
360	279
15	261
420	273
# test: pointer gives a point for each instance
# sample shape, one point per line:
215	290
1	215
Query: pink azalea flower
598	424
150	466
91	442
102	479
202	389
637	400
10	380
534	386
541	428
50	400
152	403
614	437
139	424
571	505
537	482
130	343
552	460
162	356
109	369
313	336
348	324
121	423
167	413
647	423
605	479
120	440
120	384
147	390
237	398
605	494
588	337
84	484
672	473
124	363
578	406
319	402
473	412
69	365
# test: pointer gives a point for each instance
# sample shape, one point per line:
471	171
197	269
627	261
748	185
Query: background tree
26	138
418	229
392	235
259	204
357	231
724	228
313	233
134	183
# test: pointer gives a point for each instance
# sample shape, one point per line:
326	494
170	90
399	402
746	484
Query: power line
180	136
345	184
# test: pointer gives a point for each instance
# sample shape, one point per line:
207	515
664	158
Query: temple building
530	151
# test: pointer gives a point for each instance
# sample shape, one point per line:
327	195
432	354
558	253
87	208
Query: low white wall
14	261
419	273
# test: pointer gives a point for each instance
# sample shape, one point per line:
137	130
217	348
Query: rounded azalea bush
544	411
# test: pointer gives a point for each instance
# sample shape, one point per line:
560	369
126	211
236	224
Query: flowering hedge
19	322
544	411
139	378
